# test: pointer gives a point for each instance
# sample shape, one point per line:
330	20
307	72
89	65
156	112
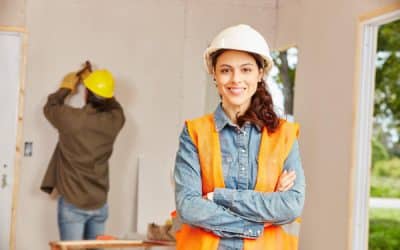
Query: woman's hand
286	181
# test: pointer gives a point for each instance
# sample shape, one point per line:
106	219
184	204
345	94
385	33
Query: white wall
325	33
154	48
147	60
12	13
203	20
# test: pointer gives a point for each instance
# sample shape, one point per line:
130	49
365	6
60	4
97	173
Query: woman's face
236	74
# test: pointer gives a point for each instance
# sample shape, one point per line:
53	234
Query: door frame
368	25
21	31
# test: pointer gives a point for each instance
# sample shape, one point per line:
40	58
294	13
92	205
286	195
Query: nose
236	76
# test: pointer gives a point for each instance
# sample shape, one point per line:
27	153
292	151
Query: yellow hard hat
101	83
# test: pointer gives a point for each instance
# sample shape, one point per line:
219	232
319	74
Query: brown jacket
79	165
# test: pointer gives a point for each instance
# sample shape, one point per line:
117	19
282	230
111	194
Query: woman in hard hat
239	183
78	169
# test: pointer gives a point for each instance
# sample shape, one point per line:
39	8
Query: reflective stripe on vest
274	149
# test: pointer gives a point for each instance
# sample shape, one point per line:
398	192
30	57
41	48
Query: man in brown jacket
78	169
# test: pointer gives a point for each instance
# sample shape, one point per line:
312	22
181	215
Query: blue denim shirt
237	211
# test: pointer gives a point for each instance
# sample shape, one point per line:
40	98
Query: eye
224	70
246	70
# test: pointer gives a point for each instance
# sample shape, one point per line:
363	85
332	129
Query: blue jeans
79	224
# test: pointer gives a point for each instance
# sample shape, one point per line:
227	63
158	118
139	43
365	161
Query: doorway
11	69
369	26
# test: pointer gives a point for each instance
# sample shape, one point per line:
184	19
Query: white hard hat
240	37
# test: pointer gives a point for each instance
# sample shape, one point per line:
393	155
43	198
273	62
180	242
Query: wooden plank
13	29
82	244
16	157
18	154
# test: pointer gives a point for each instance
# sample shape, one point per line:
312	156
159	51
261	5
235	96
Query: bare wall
154	48
326	34
141	43
203	20
12	13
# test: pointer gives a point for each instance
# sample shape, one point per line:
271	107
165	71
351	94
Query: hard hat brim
268	62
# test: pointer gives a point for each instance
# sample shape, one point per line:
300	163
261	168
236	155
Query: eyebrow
245	64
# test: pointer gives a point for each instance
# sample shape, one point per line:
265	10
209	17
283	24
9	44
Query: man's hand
84	74
70	81
85	71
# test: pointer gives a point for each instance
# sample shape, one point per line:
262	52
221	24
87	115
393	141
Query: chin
237	102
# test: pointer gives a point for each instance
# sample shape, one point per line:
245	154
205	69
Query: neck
234	111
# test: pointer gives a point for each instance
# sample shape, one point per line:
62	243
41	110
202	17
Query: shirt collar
221	120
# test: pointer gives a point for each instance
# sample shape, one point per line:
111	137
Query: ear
260	74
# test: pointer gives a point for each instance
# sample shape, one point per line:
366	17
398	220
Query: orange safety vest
274	149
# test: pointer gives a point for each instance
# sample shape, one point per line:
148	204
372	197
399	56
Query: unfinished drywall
154	48
203	21
326	35
146	58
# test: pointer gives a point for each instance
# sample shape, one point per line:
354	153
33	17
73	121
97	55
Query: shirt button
243	150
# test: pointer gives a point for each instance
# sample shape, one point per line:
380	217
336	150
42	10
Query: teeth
236	90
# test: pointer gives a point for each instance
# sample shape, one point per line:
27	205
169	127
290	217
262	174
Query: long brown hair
261	111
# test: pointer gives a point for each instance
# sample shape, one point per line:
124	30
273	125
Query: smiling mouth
236	90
